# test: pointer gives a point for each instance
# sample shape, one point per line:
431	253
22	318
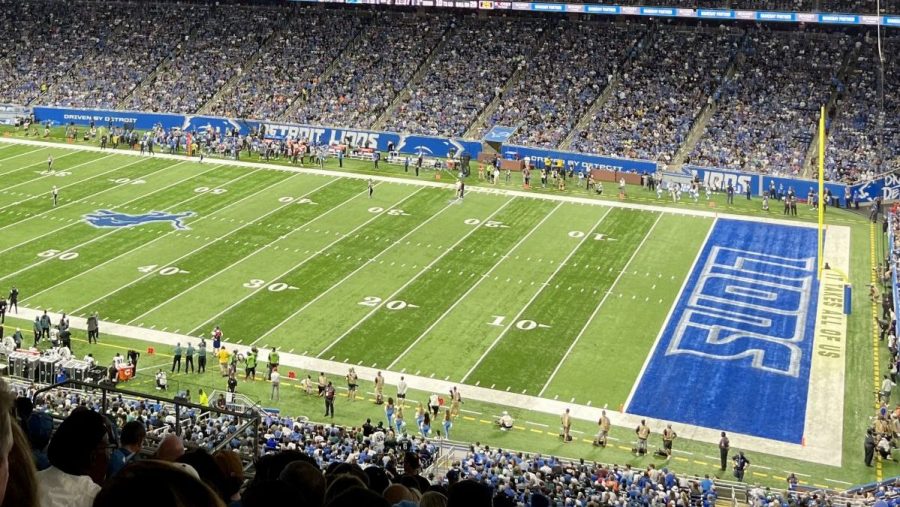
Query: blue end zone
736	352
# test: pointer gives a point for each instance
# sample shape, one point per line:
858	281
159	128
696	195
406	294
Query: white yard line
204	245
46	194
662	329
533	298
251	254
415	277
342	280
115	230
80	201
124	253
435	184
17	169
482	278
599	305
338	283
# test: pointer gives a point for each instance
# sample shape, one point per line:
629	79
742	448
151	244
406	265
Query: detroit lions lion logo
107	218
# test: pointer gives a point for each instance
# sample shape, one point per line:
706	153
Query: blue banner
737	347
581	161
761	183
886	187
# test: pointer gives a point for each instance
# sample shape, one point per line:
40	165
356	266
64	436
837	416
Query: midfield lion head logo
107	218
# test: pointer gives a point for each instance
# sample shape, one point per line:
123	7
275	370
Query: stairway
298	101
486	112
585	120
811	159
406	92
249	64
698	128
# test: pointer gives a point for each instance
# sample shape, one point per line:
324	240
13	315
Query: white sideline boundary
428	183
819	446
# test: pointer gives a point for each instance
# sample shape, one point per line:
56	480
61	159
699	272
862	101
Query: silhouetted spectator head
469	494
170	449
433	499
269	467
339	484
272	493
358	496
229	463
171	486
308	479
207	469
81	445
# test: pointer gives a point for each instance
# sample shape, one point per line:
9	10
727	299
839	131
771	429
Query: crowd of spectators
477	60
43	42
291	64
127	45
767	112
207	59
561	80
371	72
861	142
651	112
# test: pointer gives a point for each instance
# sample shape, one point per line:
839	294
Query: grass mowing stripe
159	252
134	173
82	240
534	297
20	150
26	179
324	316
483	277
327	315
340	346
28	208
140	197
472	327
314	243
439	284
147	290
654	287
564	304
269	309
311	212
95	254
600	305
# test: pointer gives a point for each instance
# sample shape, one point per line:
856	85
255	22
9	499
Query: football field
554	298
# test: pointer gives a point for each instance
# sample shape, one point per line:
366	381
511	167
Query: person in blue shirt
61	376
131	440
448	423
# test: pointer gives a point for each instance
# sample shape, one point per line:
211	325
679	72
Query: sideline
428	183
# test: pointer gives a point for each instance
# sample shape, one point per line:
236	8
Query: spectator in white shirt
79	454
276	381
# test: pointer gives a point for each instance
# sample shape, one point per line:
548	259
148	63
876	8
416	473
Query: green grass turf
346	248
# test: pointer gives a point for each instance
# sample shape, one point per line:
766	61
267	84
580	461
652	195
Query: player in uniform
352	384
55	194
371	187
50	163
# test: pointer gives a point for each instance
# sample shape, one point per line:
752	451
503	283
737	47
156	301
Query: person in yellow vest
643	433
223	357
204	398
566	426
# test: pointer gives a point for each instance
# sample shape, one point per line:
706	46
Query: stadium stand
290	65
562	79
731	104
206	60
384	458
767	112
650	115
372	71
479	57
